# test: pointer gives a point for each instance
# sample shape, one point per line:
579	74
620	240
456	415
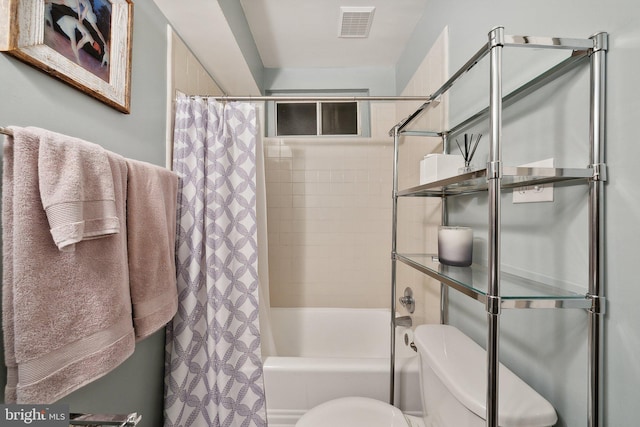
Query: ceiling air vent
355	21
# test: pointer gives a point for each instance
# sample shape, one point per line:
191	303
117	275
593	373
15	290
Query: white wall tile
329	216
337	212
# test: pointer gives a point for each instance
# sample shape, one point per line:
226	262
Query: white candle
455	245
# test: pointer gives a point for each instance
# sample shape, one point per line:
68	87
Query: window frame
318	105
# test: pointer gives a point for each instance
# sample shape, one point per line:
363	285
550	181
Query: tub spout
404	321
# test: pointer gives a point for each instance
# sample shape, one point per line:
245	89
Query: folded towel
151	231
8	326
67	315
76	188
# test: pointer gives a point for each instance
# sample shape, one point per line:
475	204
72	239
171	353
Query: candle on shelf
455	245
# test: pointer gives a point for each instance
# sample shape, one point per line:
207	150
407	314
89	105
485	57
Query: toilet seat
356	412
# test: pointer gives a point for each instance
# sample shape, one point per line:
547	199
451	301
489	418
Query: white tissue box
435	167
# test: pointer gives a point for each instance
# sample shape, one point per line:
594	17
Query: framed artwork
85	43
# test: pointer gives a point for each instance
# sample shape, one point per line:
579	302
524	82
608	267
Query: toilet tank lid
460	364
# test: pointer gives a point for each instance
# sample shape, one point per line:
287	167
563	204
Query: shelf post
596	228
444	220
494	177
394	239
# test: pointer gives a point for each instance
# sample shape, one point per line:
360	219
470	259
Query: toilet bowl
453	387
357	412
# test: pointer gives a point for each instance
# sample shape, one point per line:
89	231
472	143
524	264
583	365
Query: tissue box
435	167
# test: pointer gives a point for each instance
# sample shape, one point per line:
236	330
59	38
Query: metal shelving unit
489	285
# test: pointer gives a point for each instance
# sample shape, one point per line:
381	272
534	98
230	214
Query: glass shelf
512	177
516	291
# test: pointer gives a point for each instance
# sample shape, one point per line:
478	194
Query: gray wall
548	347
376	80
32	98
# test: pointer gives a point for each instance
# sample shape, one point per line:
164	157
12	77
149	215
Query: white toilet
453	379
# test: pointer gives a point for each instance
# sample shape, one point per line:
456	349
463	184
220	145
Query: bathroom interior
328	208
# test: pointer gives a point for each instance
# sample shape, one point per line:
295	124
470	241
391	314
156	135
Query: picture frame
84	43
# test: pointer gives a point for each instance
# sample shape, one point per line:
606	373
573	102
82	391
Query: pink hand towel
66	315
152	193
76	187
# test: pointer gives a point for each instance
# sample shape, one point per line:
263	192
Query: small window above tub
320	118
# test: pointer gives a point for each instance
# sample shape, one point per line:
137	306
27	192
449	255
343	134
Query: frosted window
339	118
303	118
297	118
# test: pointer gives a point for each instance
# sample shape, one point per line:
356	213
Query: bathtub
326	353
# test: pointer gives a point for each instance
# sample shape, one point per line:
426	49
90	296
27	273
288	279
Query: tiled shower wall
329	221
329	206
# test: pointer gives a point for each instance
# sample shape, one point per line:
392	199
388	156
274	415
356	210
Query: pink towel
76	188
66	315
152	193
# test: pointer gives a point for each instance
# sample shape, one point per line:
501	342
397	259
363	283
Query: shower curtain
213	374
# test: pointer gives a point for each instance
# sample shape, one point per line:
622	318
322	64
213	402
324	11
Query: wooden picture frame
85	43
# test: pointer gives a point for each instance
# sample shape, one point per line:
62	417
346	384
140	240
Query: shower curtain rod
310	98
249	98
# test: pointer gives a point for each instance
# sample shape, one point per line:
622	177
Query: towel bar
97	420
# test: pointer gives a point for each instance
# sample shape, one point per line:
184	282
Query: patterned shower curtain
213	374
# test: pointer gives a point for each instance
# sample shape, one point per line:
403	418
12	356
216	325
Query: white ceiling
304	33
290	34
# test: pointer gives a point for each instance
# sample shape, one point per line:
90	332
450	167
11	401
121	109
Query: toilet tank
453	377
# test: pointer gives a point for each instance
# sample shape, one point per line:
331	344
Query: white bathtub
326	353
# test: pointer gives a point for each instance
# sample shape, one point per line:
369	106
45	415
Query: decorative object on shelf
468	152
85	44
455	246
435	167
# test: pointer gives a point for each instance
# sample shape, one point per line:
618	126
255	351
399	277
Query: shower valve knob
407	300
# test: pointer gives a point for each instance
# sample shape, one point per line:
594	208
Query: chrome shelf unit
489	285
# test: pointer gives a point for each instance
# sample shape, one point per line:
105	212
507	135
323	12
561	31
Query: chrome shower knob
407	300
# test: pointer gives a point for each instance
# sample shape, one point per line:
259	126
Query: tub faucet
404	321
